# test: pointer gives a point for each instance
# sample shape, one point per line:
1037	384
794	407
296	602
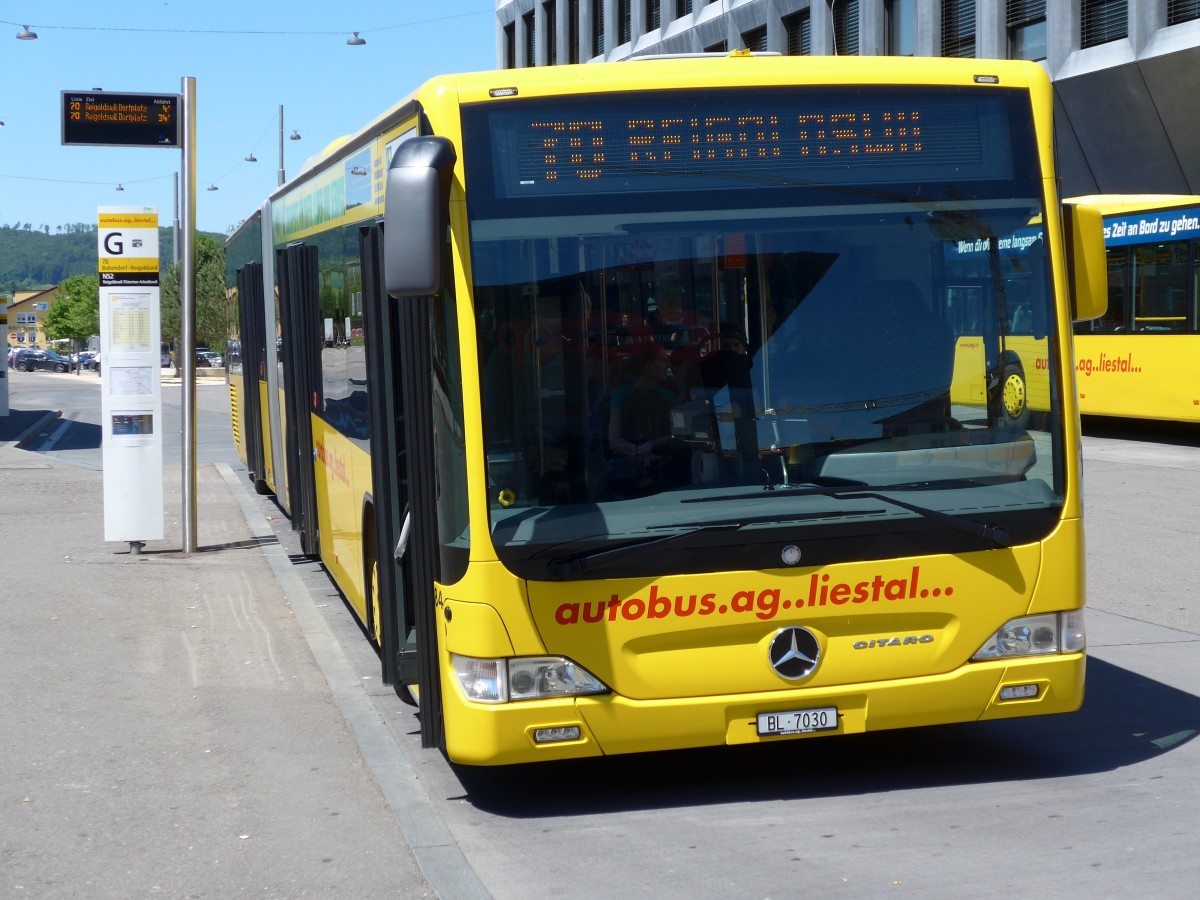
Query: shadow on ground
1125	720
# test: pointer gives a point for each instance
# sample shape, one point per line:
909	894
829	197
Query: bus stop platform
169	728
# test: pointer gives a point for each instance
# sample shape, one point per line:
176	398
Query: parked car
206	359
44	360
93	364
82	359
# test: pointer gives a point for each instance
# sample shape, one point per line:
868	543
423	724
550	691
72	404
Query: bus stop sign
98	118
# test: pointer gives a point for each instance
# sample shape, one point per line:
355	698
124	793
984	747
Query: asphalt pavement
170	723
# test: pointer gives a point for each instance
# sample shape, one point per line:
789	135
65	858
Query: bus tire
261	487
1014	397
371	599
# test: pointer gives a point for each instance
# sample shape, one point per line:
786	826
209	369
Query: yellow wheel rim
376	624
1014	395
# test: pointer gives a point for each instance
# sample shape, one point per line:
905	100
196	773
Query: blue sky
248	58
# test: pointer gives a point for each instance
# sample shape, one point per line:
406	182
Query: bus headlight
1036	636
523	678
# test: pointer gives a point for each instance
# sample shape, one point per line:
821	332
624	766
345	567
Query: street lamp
295	136
25	34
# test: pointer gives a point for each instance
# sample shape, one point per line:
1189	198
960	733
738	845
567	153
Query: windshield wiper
994	534
564	567
579	563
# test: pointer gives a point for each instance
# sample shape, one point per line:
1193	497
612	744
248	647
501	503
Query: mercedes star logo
795	652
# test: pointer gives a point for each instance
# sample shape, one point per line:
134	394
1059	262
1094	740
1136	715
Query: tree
212	320
75	313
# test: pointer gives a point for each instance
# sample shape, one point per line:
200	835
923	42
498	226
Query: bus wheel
1014	402
373	599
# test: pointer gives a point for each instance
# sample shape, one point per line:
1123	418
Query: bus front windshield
689	386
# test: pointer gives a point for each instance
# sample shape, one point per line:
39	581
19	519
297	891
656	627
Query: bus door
253	354
399	370
299	285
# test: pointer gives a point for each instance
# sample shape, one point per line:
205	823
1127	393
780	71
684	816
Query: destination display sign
745	139
100	118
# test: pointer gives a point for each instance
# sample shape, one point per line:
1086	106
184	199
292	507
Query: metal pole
175	225
187	316
282	179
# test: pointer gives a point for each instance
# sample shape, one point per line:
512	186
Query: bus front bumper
482	734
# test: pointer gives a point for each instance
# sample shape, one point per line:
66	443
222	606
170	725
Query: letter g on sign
113	243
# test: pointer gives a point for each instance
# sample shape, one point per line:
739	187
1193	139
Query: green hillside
32	259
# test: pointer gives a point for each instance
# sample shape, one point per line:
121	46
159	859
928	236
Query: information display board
98	118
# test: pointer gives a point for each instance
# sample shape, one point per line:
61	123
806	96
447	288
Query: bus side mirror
1087	266
416	212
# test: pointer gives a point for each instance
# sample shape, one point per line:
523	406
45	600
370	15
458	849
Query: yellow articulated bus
1142	358
618	399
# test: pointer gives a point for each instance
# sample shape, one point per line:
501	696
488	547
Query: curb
438	854
27	436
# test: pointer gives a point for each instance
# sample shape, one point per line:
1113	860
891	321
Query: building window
958	28
1102	21
798	28
845	27
652	15
510	45
901	16
597	27
683	8
1182	11
551	11
528	30
718	47
755	40
624	21
572	31
1026	24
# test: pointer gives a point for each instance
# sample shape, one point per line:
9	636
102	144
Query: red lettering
660	606
768	604
877	584
764	604
681	610
743	601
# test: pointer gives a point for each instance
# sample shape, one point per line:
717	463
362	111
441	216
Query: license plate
798	721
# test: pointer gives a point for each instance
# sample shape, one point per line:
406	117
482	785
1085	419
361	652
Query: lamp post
175	225
282	177
295	136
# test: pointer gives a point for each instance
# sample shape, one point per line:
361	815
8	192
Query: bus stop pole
187	316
